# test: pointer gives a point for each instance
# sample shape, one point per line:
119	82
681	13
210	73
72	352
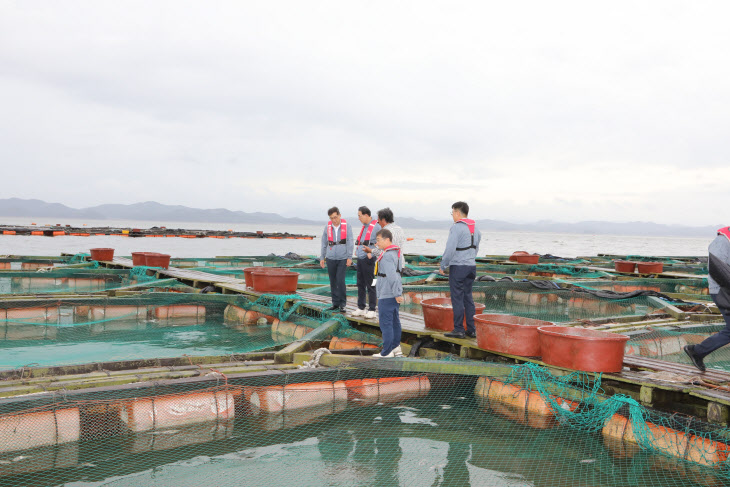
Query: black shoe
696	359
332	308
341	310
454	334
471	335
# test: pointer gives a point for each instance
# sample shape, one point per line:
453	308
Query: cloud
529	111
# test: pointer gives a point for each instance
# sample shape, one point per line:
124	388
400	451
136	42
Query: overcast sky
566	111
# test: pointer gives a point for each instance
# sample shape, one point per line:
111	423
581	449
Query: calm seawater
564	245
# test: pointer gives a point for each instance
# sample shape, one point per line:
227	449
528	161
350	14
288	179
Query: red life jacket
724	231
390	247
368	234
331	233
472	225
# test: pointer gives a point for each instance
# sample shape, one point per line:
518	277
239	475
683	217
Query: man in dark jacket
719	283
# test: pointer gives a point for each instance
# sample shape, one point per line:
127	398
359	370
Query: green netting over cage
371	425
151	325
71	280
668	344
525	299
288	260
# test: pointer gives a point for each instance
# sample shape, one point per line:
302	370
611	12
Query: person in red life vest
337	247
719	284
389	288
366	263
460	258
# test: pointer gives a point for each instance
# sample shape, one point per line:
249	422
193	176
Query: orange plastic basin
582	349
650	267
624	265
248	276
277	282
153	259
436	316
102	254
139	258
510	334
523	257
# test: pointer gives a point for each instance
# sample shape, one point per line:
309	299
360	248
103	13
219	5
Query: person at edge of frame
719	287
366	264
337	247
459	258
386	220
389	287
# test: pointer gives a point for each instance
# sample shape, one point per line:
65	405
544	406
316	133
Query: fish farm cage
119	374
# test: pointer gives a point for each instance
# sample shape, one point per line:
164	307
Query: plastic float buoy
294	396
415	297
430	240
86	284
38	314
534	299
235	315
32	430
287	329
409	239
8	232
180	311
34	265
387	389
4	265
517	404
660	346
37	232
670	441
97	313
346	344
176	410
36	283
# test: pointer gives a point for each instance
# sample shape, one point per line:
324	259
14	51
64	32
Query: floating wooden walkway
655	383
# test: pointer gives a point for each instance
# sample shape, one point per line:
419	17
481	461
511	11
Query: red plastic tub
624	265
650	267
102	254
153	259
139	258
276	282
439	317
523	257
510	334
248	276
582	349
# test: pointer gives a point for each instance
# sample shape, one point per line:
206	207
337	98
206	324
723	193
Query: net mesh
364	425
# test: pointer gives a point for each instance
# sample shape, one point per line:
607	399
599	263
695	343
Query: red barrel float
102	254
582	349
510	334
624	265
438	316
279	282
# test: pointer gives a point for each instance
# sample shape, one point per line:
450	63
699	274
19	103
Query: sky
563	111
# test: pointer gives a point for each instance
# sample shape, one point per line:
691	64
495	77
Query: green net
367	425
668	344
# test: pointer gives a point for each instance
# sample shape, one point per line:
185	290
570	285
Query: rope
316	356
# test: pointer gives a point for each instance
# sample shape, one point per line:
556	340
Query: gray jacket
337	251
720	248
370	243
460	237
399	239
389	284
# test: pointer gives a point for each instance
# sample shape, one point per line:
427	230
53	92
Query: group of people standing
380	263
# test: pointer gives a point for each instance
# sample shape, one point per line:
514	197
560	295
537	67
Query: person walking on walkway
459	258
719	284
389	287
337	248
366	263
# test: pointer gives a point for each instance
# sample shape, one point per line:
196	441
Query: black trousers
461	281
719	339
365	288
336	270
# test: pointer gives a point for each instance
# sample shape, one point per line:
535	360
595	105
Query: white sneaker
359	312
379	355
370	315
397	352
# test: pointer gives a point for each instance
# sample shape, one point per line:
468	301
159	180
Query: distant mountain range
159	214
